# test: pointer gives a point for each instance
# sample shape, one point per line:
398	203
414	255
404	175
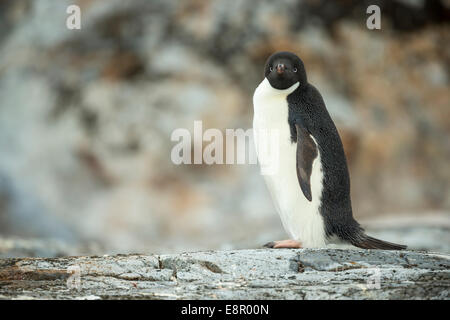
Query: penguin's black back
307	108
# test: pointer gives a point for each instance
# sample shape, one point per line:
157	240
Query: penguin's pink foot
283	244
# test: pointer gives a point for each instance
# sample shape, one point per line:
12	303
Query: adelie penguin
310	183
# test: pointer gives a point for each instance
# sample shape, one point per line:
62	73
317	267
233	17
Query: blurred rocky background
86	118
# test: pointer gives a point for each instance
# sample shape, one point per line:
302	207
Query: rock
15	247
86	115
238	274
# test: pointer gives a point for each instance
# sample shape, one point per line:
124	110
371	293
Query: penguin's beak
280	68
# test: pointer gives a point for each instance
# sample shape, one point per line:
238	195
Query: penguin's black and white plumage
309	183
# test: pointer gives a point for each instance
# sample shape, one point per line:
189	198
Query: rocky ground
334	273
86	115
242	274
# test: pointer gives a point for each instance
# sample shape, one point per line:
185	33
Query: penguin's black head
284	69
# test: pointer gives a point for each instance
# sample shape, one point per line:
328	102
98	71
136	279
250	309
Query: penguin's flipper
306	153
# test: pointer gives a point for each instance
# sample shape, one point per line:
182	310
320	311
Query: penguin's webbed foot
283	244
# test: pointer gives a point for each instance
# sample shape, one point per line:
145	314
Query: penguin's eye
295	69
271	69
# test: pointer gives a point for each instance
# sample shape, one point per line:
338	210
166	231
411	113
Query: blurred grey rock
86	115
15	247
243	274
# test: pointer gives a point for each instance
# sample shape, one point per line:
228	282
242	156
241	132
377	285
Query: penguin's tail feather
366	242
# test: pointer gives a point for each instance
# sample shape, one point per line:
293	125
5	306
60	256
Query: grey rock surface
238	274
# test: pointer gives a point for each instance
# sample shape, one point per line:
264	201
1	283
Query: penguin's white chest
277	156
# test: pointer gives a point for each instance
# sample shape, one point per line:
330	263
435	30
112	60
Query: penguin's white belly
300	217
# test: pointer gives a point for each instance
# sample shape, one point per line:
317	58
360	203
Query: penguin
309	183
